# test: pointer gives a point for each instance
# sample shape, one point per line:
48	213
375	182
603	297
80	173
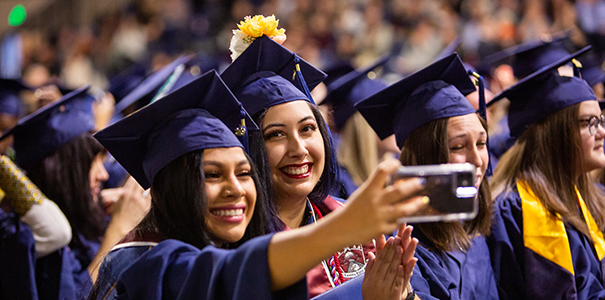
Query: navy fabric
176	270
200	115
144	92
265	75
351	88
453	274
17	259
113	265
349	290
435	92
10	102
592	69
522	274
39	134
529	57
117	173
542	93
500	142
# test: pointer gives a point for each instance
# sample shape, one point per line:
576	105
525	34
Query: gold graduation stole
546	235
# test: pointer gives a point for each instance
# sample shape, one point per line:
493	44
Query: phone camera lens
464	182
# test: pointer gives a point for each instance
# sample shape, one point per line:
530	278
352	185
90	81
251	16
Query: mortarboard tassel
241	131
298	77
482	112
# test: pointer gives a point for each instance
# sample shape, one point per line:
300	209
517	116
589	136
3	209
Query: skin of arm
372	210
127	212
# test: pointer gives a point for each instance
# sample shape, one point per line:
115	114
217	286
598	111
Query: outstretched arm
372	210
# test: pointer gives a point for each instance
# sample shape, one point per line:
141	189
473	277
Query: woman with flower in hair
294	153
206	196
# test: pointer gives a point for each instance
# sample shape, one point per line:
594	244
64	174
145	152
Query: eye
273	134
481	143
309	128
457	147
212	174
244	173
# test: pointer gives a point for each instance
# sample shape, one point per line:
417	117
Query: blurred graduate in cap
524	59
293	149
434	123
359	150
592	71
206	196
546	239
56	149
172	76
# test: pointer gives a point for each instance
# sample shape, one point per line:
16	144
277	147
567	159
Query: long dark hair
64	177
429	145
179	200
547	156
258	151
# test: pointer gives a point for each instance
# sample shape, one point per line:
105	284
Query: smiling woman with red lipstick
205	197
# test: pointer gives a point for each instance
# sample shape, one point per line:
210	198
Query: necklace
353	257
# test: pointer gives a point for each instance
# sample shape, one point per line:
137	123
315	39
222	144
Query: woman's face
295	148
592	145
97	175
467	143
230	191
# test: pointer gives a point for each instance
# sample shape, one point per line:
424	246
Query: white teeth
296	170
228	212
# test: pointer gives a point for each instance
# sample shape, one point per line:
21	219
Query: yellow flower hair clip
253	27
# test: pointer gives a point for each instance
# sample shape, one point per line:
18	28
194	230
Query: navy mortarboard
267	74
41	133
533	55
10	102
592	69
351	88
542	93
336	71
437	91
200	115
143	93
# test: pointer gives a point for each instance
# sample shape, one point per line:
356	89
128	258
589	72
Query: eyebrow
282	125
465	134
220	164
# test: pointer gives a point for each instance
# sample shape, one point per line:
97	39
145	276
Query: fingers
384	170
380	243
406	236
402	191
408	252
405	209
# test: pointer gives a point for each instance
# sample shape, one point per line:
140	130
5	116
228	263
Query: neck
292	211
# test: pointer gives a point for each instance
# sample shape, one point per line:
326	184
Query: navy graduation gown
524	274
114	263
176	270
452	274
17	259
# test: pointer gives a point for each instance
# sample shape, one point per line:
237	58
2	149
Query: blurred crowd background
94	42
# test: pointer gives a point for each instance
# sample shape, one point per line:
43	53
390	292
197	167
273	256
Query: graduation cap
533	55
336	71
542	93
127	80
10	102
592	70
352	88
267	74
147	89
202	114
41	133
435	92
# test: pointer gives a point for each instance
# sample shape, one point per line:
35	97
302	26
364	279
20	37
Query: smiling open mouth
227	212
297	171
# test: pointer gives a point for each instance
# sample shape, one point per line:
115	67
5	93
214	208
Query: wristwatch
411	294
